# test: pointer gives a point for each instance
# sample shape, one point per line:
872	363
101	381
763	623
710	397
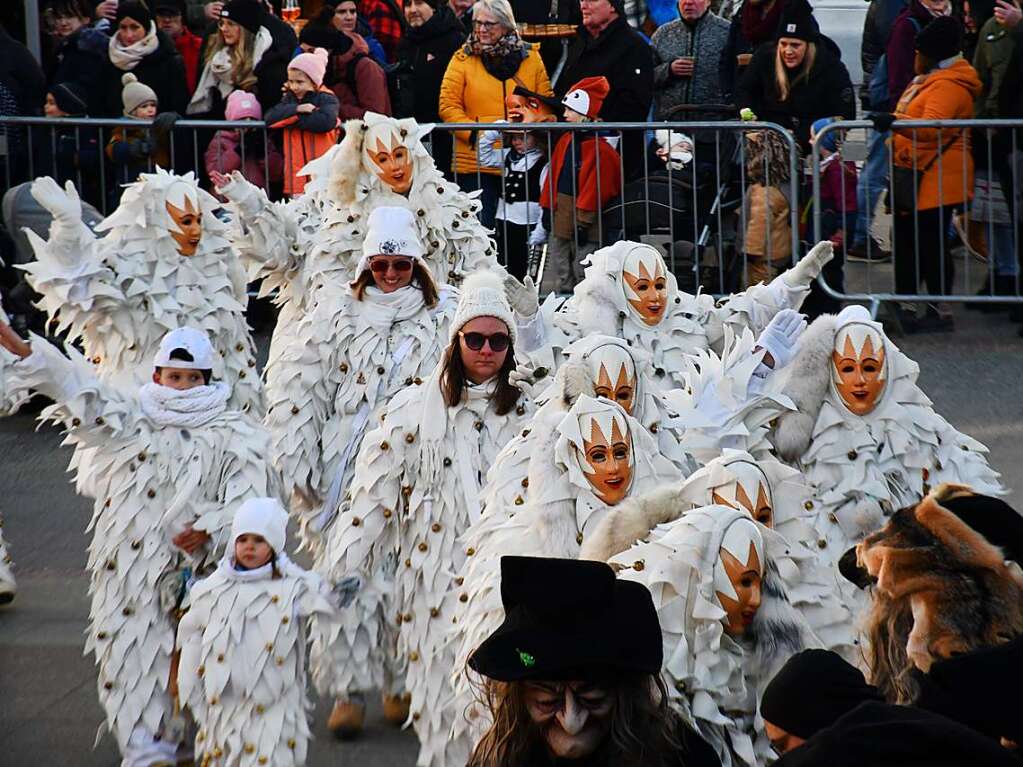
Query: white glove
524	379
523	296
781	337
63	204
538	236
237	187
806	271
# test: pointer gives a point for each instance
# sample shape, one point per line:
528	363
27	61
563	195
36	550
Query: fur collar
808	379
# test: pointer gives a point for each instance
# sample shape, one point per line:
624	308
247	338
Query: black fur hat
569	619
941	39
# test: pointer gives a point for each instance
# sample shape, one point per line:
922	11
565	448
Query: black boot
1005	285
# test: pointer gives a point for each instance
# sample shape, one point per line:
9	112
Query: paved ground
49	713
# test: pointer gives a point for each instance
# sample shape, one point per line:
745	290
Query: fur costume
242	669
600	303
810	586
561	510
151	481
715	681
863	467
415	491
960	590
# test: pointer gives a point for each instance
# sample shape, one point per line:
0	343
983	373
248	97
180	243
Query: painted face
181	379
230	32
527	109
858	368
188	224
129	31
738	574
748	490
573	717
483	363
392	163
614	375
252	551
607	459
645	283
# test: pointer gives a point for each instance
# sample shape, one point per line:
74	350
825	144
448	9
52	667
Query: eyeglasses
498	341
486	26
381	265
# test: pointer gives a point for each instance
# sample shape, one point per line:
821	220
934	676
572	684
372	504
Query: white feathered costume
120	294
716	680
164	460
242	641
864	467
415	491
605	302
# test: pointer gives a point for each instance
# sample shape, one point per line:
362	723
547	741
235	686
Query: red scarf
757	26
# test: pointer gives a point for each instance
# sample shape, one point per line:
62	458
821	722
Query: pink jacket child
224	154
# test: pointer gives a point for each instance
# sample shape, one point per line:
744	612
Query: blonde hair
242	55
781	73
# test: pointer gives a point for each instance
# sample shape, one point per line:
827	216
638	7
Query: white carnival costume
165	460
865	436
121	293
9	402
715	679
242	642
629	292
415	491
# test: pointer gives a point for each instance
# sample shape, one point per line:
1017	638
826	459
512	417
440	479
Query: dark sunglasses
381	265
498	341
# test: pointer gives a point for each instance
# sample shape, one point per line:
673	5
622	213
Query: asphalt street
48	707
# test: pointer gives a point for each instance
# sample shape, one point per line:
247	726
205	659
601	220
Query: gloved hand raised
810	265
63	204
781	337
522	296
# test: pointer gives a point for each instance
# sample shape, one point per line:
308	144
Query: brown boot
396	708
346	719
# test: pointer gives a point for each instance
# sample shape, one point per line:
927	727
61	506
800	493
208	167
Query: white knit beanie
261	516
391	231
135	94
482	295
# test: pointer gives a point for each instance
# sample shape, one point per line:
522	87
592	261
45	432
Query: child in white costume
171	465
165	262
242	670
629	292
865	435
415	491
727	623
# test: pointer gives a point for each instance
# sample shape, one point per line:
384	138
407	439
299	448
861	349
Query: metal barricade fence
698	211
905	231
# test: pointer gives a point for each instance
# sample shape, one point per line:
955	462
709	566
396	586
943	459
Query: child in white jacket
242	641
171	464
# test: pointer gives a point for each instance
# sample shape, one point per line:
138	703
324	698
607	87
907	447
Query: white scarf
190	408
382	311
217	73
127	57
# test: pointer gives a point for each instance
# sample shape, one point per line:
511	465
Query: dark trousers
513	246
922	251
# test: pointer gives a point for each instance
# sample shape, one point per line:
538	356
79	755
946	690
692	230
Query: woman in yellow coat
491	64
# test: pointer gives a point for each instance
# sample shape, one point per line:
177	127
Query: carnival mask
858	367
645	282
186	216
522	108
606	459
738	574
614	375
389	158
748	490
573	717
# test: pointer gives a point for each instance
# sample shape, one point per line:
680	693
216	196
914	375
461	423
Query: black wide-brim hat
550	101
569	619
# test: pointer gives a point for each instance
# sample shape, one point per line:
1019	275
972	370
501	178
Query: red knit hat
587	96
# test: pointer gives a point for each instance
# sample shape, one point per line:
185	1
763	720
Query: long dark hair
644	731
420	279
453	380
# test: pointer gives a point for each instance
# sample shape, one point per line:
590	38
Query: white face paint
859	370
645	284
614	374
606	456
748	490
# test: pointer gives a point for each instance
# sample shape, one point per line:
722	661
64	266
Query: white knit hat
193	341
482	295
391	231
135	94
261	516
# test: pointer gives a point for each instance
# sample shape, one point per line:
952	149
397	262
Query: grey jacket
704	42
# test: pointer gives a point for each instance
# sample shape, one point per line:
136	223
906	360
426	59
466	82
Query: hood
960	73
90	40
359	46
441	23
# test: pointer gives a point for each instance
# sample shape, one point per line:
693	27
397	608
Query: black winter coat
81	59
827	92
21	76
877	27
162	70
423	56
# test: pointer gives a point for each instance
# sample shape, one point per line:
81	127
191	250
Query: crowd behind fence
730	202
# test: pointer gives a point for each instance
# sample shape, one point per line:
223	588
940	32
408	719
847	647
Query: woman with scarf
416	489
479	78
137	46
240	55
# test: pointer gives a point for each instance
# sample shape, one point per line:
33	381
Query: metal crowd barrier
964	250
695	212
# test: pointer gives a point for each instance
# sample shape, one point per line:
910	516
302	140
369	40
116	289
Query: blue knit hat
829	140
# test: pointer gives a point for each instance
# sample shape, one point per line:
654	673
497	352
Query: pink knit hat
313	64
242	105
